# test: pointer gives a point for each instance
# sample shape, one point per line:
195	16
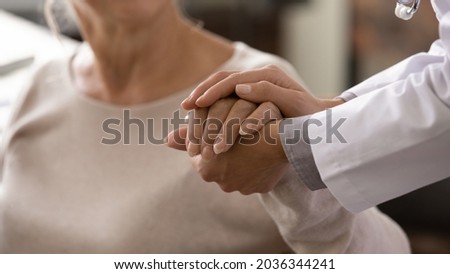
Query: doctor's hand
267	84
272	88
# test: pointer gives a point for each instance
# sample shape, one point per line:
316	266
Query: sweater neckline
179	95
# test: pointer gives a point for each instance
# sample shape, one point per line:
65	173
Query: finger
264	114
230	132
288	101
228	85
209	171
177	139
216	118
195	130
189	103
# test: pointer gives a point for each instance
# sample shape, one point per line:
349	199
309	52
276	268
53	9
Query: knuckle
229	101
273	110
273	68
206	174
246	192
221	74
263	84
226	187
199	116
207	177
268	106
265	191
220	106
245	105
234	76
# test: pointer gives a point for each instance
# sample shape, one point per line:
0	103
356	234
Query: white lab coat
397	129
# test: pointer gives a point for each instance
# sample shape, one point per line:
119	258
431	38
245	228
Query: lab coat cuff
329	161
296	145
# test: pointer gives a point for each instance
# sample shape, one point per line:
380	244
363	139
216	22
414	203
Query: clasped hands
233	136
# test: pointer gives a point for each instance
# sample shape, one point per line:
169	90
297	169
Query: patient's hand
255	164
215	130
206	124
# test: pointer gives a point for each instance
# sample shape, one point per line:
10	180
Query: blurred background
333	45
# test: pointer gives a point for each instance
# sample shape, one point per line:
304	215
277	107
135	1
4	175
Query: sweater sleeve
314	222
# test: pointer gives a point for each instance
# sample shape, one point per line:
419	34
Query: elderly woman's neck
144	62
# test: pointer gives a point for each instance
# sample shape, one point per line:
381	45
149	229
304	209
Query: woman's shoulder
50	71
47	85
46	75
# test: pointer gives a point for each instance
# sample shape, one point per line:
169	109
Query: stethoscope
406	9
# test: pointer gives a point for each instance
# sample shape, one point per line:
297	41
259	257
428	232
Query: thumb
285	99
177	139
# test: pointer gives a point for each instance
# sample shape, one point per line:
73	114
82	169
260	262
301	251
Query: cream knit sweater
63	191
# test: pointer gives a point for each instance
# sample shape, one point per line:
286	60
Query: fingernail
207	153
248	128
243	89
187	100
243	133
199	100
219	148
190	150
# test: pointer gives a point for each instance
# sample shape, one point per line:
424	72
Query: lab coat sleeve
398	72
397	137
313	222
